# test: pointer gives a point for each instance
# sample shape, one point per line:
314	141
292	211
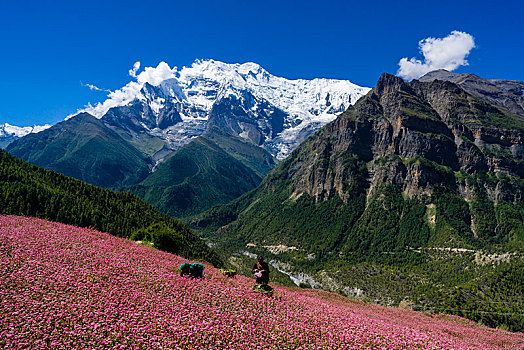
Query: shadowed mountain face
368	203
507	94
213	169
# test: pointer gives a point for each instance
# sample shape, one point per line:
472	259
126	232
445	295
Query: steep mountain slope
204	173
420	137
72	288
255	158
28	190
507	94
84	148
411	170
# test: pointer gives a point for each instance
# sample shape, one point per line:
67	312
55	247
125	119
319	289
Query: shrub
161	236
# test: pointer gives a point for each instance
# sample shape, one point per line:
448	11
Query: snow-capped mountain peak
16	131
291	96
193	91
10	133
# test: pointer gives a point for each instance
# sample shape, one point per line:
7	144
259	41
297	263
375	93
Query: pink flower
66	287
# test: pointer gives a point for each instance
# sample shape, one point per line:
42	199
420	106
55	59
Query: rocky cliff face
397	125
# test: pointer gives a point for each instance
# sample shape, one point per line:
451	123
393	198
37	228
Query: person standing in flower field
195	270
261	271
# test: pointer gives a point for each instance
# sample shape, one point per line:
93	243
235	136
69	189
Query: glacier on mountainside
11	130
192	95
10	133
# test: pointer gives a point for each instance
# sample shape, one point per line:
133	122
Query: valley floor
67	287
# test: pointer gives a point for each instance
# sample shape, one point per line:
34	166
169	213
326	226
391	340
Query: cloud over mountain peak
447	53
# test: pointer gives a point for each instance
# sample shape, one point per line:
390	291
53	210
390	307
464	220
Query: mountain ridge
84	148
508	94
189	95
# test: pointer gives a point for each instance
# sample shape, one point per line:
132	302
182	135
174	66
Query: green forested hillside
84	148
28	190
212	169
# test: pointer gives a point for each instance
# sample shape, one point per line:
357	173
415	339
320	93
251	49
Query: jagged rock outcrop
398	122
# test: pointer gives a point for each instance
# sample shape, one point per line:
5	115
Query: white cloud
447	53
131	90
136	67
155	76
93	87
119	97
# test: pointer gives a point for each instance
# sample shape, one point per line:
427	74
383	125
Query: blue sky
48	48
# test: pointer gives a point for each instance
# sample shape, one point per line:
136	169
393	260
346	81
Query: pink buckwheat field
64	287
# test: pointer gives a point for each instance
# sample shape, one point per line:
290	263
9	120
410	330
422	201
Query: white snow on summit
201	84
308	104
16	131
311	97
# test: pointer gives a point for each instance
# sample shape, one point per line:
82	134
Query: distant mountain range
273	112
250	116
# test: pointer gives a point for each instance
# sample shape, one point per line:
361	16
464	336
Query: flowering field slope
66	287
